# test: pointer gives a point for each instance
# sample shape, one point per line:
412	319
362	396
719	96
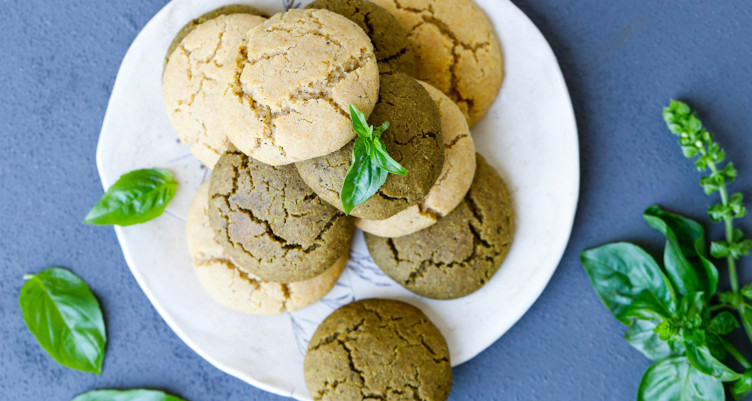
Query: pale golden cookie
451	186
191	82
288	98
237	289
455	49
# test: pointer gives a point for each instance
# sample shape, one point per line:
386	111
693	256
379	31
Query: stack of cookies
264	103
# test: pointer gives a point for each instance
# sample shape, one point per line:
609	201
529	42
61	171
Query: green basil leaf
363	178
692	308
619	272
715	345
359	123
64	316
380	129
685	257
382	159
700	358
126	395
743	387
723	323
746	291
136	197
642	336
645	306
674	379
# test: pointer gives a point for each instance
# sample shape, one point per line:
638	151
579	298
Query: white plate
529	135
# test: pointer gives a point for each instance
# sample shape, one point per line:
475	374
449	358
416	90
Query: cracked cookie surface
455	48
191	86
462	251
413	139
451	186
288	97
270	223
378	349
236	289
389	39
224	10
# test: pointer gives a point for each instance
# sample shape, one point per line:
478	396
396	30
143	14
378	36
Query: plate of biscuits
369	192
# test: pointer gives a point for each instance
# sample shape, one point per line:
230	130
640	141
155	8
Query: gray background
622	61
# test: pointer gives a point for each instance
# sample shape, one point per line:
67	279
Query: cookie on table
413	139
236	289
271	224
455	49
451	186
288	97
462	251
224	10
389	39
378	349
191	82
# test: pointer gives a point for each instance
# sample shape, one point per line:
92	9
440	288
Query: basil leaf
743	387
136	197
645	306
126	395
700	358
642	336
381	158
674	379
360	125
380	129
619	272
363	178
685	258
692	308
723	323
64	316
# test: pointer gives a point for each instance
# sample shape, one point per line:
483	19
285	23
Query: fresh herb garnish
126	395
62	313
370	165
136	197
672	313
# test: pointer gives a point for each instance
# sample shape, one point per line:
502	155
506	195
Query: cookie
455	49
451	186
225	10
271	224
288	98
389	39
462	251
236	289
191	82
378	349
413	139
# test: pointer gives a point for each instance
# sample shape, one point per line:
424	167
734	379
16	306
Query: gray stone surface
622	62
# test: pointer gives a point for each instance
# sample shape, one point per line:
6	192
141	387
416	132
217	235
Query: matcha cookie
389	39
236	289
271	224
452	185
191	82
462	251
288	98
378	349
455	49
225	10
413	139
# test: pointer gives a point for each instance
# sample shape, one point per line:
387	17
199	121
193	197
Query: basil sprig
64	316
126	395
674	314
370	163
136	197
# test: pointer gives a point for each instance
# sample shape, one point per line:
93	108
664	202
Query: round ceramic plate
529	136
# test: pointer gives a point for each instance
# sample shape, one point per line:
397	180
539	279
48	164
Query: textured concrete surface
622	61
